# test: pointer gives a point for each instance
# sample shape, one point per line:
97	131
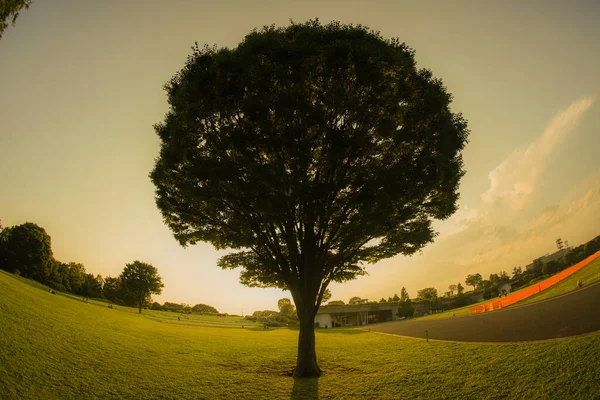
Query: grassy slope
57	347
588	274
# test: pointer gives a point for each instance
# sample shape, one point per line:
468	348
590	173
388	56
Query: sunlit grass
56	347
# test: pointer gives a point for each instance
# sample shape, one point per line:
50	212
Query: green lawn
588	274
57	347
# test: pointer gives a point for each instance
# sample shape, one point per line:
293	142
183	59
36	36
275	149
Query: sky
81	87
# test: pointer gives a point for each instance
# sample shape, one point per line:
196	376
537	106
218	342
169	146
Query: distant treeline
26	250
185	308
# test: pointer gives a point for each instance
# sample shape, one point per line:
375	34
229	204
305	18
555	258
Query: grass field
57	347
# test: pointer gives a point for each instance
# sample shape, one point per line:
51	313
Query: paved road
571	314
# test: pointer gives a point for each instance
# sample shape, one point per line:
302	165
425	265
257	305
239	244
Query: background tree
75	277
27	249
204	308
559	244
312	150
396	298
139	280
286	308
407	309
427	293
326	296
404	294
112	289
460	289
336	303
474	280
92	286
9	12
354	300
383	300
452	289
517	272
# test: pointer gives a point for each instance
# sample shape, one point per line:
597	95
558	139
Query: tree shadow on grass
305	389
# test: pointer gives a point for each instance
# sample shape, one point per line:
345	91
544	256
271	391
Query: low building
548	257
356	314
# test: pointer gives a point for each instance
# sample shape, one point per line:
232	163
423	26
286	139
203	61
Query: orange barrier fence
533	289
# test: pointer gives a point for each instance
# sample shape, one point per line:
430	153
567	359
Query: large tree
138	281
474	280
9	12
27	248
286	308
310	150
427	294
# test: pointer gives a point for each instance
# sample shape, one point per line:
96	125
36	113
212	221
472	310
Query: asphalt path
571	314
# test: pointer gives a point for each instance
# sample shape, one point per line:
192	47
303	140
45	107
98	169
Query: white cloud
512	182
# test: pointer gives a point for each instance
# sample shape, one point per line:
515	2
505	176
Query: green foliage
460	289
336	303
427	294
407	309
354	300
404	294
27	247
286	308
112	289
396	298
204	308
92	286
311	150
460	300
138	281
452	289
9	12
326	296
474	280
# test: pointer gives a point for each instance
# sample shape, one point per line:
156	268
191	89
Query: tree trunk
306	365
140	307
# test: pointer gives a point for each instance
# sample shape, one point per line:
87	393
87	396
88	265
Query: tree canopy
427	294
311	150
27	248
9	12
139	280
474	280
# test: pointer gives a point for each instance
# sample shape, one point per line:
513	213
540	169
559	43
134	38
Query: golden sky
81	86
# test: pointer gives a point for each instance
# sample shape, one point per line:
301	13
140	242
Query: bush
57	286
274	324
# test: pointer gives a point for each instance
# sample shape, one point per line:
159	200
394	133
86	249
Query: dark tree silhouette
138	281
9	12
27	248
309	149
